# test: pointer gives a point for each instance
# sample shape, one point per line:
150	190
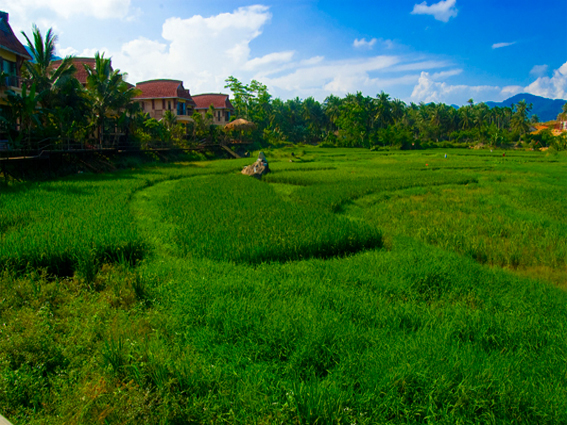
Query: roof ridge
160	79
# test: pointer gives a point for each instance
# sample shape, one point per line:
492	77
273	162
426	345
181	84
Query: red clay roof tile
163	89
219	101
81	73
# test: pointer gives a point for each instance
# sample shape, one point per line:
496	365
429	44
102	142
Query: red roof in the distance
218	100
163	89
8	40
81	73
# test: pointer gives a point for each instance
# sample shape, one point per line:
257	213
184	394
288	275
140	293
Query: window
8	67
169	105
153	104
163	104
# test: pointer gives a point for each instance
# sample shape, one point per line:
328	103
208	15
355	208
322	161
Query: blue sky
443	51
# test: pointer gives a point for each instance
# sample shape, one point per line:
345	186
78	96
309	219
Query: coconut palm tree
41	71
520	117
108	92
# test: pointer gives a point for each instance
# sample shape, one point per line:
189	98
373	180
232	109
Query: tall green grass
209	330
243	220
78	224
69	226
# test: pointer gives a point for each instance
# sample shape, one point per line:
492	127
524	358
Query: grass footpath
347	287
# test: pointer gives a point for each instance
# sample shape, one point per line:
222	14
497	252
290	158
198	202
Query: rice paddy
347	286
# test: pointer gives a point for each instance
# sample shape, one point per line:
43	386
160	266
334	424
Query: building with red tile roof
158	96
81	73
220	102
13	54
79	63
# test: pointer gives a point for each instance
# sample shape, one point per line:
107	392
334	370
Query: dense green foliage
54	110
383	123
457	317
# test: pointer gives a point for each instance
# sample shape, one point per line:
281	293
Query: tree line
55	110
382	122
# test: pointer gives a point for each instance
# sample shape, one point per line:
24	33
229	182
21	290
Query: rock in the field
259	168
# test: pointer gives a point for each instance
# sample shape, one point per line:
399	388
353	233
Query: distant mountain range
545	109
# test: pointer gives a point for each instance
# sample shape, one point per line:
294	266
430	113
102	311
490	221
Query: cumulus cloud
85	53
539	70
68	51
500	45
101	9
510	91
554	87
337	77
203	51
442	11
369	75
363	44
432	88
428	89
269	60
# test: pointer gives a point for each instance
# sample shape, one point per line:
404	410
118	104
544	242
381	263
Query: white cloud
442	11
446	74
204	51
201	51
428	90
419	64
500	45
554	87
363	44
269	60
312	61
68	51
340	77
101	9
510	91
539	70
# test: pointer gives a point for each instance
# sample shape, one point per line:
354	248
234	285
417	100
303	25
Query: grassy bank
346	287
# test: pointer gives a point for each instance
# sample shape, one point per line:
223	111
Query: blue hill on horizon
545	109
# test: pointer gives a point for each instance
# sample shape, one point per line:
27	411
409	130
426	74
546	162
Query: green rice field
346	287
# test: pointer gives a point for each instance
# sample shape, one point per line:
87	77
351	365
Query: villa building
221	104
79	63
12	56
159	96
81	73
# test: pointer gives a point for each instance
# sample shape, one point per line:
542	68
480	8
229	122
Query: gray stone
258	169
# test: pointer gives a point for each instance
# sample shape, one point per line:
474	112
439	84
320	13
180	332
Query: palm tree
313	117
108	92
520	117
383	114
398	109
40	70
466	117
